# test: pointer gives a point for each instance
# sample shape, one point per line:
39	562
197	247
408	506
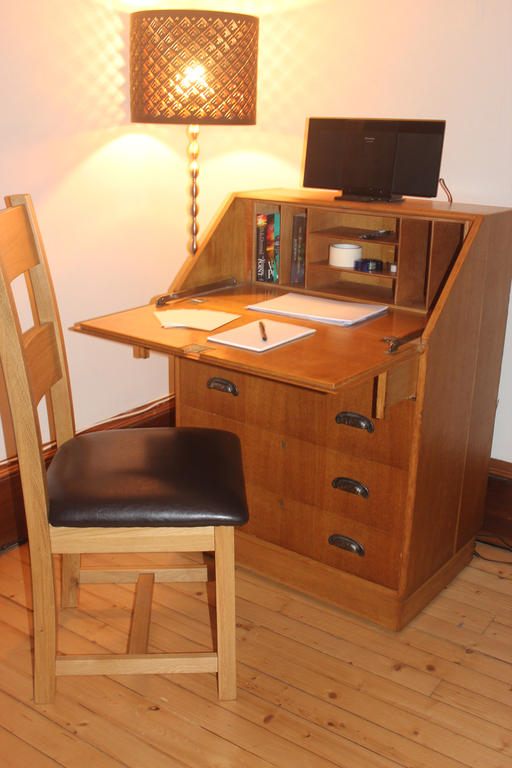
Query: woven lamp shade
195	67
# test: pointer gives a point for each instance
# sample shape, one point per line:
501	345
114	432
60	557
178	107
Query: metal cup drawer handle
356	420
222	385
350	486
345	542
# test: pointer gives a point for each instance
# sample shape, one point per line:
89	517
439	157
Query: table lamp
193	67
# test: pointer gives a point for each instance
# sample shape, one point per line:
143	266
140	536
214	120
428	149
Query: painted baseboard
13	530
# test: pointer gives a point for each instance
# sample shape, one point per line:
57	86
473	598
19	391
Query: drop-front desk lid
331	358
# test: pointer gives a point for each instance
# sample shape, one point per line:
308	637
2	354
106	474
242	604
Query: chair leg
70	580
225	602
45	628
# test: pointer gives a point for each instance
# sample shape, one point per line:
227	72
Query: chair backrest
33	361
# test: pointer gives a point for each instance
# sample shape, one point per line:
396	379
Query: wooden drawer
359	489
301	413
304	472
304	529
307	530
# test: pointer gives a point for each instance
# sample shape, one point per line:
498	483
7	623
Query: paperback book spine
277	246
298	248
301	248
272	248
269	260
261	236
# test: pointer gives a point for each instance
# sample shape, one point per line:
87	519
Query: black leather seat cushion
148	477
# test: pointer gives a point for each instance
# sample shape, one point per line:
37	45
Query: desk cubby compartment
288	239
427	250
327	227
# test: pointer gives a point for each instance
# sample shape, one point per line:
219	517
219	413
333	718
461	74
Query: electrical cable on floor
492	543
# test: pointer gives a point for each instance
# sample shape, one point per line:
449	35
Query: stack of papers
321	310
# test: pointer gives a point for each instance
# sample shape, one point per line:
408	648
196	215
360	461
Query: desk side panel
225	253
496	291
446	476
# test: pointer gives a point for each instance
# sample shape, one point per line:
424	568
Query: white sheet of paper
199	319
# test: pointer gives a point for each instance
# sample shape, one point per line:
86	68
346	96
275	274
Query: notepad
320	310
249	336
199	319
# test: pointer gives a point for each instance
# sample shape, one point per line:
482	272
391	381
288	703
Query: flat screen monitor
374	159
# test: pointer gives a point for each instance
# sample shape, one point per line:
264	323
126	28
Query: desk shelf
384	274
357	290
353	235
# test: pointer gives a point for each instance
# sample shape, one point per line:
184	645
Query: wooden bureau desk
366	468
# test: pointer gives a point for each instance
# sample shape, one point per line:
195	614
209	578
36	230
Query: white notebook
250	336
319	309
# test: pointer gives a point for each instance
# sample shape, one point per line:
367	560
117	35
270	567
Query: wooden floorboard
317	687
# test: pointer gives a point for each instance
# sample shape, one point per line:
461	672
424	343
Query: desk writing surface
329	359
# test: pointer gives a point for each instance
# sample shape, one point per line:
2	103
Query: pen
263	332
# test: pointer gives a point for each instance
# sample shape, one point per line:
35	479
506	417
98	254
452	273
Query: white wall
111	196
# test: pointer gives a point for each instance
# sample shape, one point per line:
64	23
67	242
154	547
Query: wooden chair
112	491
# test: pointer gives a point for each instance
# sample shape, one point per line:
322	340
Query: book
269	247
268	237
261	246
249	336
321	310
272	251
298	248
199	319
277	247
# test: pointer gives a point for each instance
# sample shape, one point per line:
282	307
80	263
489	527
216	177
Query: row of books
268	232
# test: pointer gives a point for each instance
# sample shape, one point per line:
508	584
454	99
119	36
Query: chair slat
135	664
42	359
112	540
17	242
169	575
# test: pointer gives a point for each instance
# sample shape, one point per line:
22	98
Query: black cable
491	559
491	541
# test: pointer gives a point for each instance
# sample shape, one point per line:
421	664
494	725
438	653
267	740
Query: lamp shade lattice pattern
196	67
